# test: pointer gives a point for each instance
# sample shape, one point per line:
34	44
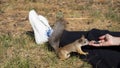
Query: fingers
94	43
105	40
99	44
102	37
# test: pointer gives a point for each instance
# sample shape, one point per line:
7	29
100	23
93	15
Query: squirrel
64	52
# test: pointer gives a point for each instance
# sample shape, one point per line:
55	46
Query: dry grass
18	49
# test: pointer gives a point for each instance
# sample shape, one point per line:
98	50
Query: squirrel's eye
84	41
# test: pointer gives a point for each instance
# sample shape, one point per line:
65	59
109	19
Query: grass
18	48
18	63
24	53
112	15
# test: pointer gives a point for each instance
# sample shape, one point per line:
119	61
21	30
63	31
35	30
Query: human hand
106	40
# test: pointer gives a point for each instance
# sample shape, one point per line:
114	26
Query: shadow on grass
31	34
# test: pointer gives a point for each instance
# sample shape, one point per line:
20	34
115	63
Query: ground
17	46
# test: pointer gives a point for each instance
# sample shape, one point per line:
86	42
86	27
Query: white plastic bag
41	27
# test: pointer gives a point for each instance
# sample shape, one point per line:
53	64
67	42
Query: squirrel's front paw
84	53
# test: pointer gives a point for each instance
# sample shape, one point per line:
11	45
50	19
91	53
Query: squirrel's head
83	40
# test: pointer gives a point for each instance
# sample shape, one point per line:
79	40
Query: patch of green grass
17	62
1	11
8	41
38	56
96	13
112	15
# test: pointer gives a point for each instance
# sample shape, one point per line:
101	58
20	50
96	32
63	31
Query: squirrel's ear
80	40
82	37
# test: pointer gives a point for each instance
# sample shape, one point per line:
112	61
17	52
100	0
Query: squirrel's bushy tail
58	29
